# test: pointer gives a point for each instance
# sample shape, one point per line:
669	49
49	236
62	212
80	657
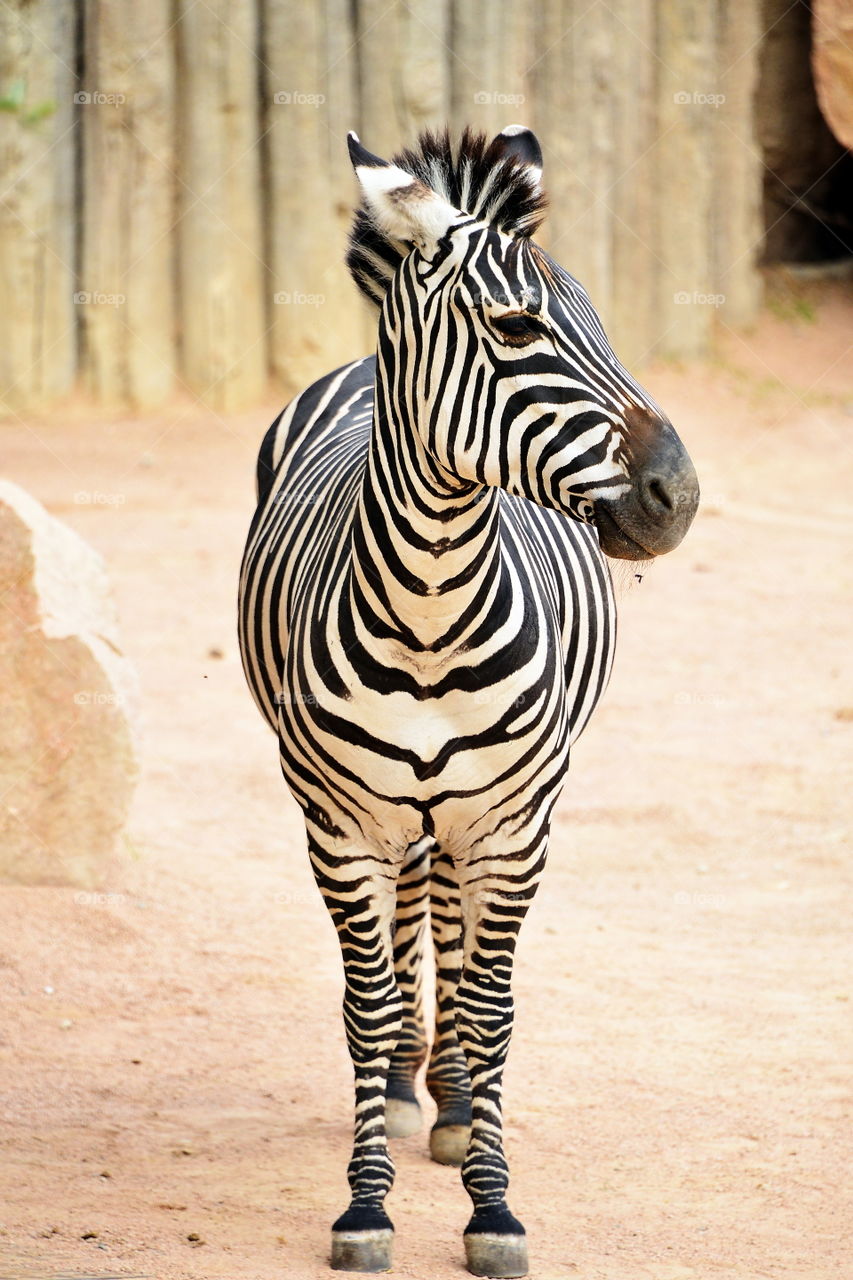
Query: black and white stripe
426	619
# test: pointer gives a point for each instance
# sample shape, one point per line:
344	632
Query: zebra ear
401	206
519	141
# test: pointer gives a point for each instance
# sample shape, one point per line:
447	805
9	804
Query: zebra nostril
656	498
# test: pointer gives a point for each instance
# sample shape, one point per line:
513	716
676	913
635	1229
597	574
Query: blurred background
176	188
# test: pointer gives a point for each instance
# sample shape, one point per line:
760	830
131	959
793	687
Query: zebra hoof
362	1250
492	1254
402	1118
449	1143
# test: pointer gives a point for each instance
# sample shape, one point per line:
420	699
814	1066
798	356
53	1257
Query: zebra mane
480	177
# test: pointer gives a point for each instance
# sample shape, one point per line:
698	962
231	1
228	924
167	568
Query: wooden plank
316	318
687	107
633	312
220	245
552	105
403	76
487	63
126	109
573	119
738	228
37	253
588	68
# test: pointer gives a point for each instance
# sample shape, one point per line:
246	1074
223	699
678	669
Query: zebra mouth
613	539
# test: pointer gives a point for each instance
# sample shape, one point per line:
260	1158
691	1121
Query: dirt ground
175	1086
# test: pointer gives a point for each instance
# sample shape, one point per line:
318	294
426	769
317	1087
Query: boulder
832	61
67	758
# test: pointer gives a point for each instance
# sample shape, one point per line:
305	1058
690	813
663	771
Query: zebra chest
425	728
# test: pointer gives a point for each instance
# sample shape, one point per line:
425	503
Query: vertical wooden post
737	218
403	77
126	289
574	119
552	121
490	52
316	318
688	118
37	315
633	313
221	274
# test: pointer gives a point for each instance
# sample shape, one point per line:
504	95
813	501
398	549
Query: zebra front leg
360	893
495	897
402	1109
447	1074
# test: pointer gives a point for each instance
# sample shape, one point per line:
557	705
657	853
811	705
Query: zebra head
506	371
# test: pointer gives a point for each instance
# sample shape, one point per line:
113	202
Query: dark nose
668	490
655	514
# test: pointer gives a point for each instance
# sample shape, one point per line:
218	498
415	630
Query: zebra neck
426	546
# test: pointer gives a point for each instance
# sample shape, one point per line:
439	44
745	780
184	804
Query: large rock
67	760
832	60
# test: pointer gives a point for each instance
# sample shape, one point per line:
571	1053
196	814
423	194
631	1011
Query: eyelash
526	328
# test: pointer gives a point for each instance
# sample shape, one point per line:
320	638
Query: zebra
427	622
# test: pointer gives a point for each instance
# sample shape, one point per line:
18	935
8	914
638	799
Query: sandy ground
175	1087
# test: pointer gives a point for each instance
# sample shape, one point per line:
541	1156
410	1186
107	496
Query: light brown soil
678	1095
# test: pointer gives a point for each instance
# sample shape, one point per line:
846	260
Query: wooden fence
176	188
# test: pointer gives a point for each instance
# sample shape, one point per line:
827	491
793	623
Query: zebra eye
518	329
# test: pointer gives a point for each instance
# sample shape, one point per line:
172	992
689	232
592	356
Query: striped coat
427	622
